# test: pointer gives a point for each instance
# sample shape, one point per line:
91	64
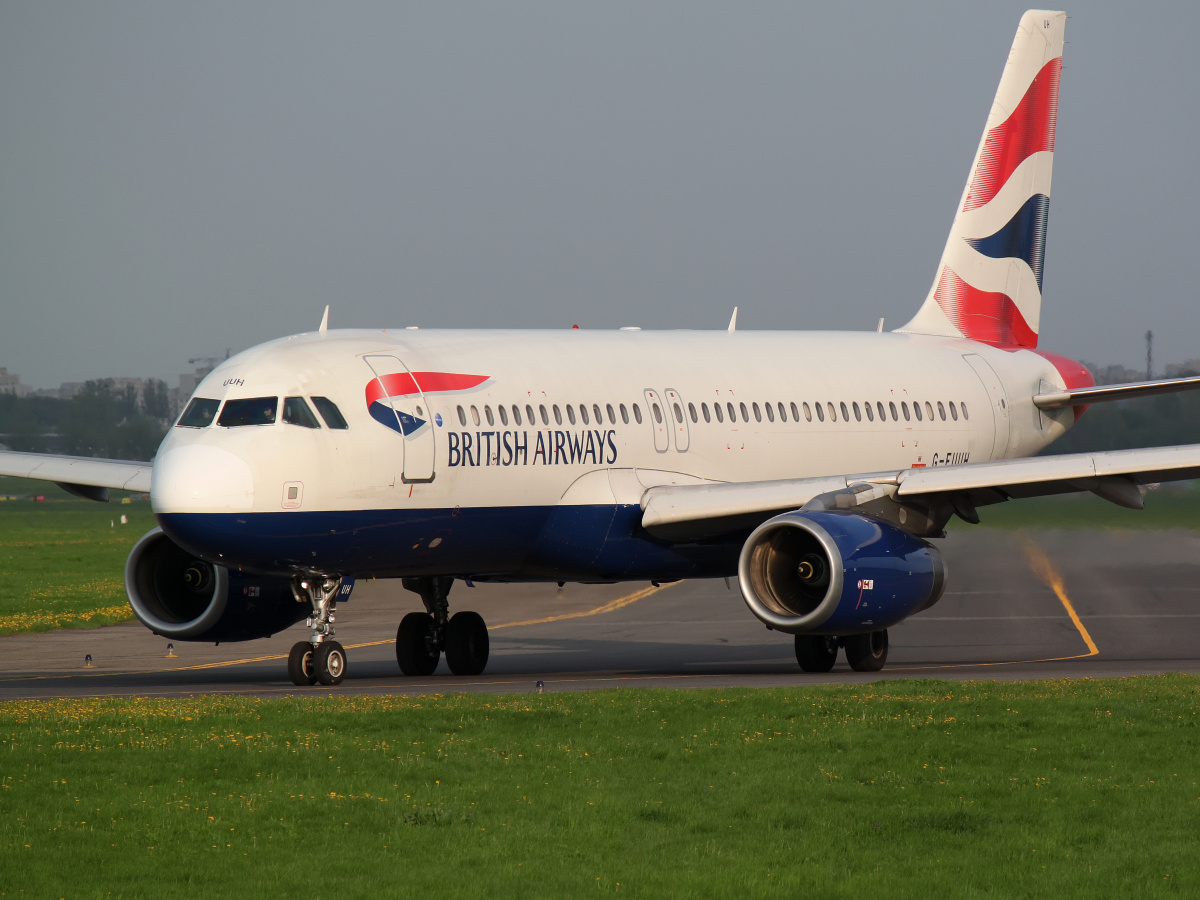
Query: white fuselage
838	403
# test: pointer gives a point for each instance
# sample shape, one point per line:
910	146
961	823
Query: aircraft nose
201	478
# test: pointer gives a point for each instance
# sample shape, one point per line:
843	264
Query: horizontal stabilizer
1104	392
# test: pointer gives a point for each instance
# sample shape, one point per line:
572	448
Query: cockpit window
199	413
329	412
249	411
296	412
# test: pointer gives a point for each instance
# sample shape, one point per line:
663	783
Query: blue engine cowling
836	573
181	596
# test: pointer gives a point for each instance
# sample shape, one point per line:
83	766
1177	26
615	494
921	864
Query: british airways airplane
815	466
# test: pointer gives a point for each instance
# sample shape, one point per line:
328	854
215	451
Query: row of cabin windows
828	409
261	411
596	415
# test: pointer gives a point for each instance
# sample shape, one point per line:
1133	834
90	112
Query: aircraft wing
696	511
83	476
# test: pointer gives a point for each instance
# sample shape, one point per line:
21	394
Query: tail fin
988	285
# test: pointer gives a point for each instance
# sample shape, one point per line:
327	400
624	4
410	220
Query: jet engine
836	573
181	596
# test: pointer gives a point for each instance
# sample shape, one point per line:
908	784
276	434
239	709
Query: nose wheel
320	659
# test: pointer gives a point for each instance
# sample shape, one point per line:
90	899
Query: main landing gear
319	659
864	652
423	637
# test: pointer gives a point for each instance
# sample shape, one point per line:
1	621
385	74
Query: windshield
199	413
249	411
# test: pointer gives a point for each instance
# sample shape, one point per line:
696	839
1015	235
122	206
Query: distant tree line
101	420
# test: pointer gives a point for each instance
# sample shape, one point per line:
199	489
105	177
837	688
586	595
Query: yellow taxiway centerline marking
1044	569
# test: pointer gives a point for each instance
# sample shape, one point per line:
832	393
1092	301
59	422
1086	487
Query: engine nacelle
836	573
180	596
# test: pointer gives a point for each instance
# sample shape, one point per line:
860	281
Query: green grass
898	789
62	562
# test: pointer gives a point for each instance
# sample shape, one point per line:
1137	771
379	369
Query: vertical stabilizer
988	286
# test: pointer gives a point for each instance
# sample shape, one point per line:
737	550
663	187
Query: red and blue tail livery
988	285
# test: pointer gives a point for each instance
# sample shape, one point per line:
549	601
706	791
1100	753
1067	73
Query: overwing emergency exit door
395	399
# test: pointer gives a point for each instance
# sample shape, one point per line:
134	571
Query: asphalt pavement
1040	604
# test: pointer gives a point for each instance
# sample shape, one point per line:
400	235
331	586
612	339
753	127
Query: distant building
1180	370
10	383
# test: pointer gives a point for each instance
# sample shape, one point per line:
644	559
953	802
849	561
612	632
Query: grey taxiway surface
1017	606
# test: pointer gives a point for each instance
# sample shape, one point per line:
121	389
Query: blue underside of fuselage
512	543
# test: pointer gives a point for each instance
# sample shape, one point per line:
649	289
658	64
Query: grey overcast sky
181	178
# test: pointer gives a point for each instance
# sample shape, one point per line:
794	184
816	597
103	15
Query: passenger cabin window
487	414
249	411
570	414
732	412
625	414
692	413
516	414
330	413
904	409
870	412
845	412
199	413
857	412
462	417
757	412
917	410
807	412
296	412
941	411
637	413
771	412
503	415
820	412
953	411
892	407
963	407
707	414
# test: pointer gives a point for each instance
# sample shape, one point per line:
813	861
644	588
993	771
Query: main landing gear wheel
416	649
300	665
466	643
866	652
816	652
329	661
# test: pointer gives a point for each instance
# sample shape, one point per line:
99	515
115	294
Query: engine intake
179	595
836	573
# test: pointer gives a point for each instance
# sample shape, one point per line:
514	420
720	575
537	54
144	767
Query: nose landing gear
422	637
320	658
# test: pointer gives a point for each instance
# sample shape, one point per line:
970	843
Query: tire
467	643
413	649
300	665
816	652
329	659
867	652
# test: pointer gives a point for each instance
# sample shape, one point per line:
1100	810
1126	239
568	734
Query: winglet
325	320
733	320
